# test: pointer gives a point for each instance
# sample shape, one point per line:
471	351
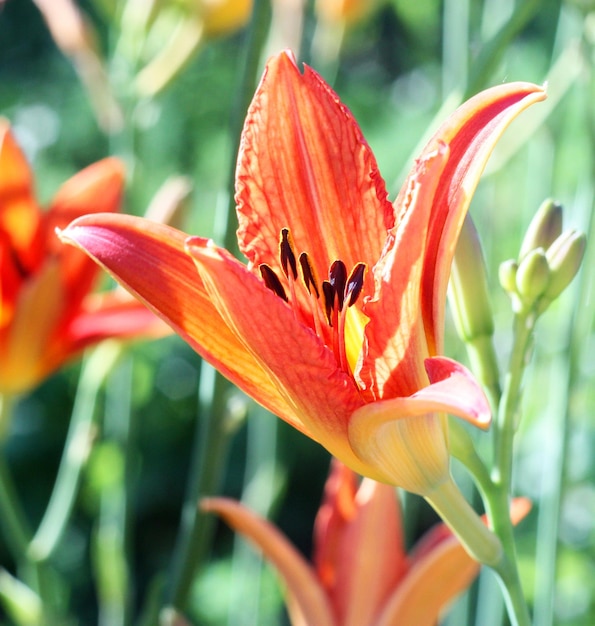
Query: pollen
330	311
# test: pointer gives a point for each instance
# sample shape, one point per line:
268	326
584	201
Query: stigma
327	301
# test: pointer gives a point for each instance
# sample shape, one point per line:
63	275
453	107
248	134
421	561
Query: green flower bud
533	276
544	228
507	275
564	257
469	291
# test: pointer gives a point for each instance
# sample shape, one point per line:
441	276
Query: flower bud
507	275
469	292
544	228
564	257
533	276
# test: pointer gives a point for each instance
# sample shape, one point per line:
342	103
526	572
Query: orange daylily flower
352	360
361	574
46	313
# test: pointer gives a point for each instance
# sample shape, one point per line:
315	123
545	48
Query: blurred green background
400	69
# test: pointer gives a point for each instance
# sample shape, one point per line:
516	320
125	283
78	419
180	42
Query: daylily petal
304	165
150	261
358	545
430	585
24	342
309	605
440	570
337	508
291	354
112	316
395	341
471	133
95	189
19	213
407	437
371	560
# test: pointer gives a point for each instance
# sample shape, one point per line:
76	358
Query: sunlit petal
19	213
23	344
95	189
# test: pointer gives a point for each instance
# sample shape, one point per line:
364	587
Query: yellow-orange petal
149	259
304	165
308	604
406	438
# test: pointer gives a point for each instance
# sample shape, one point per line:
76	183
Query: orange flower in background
46	313
361	574
336	323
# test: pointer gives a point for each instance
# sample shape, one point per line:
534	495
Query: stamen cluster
329	299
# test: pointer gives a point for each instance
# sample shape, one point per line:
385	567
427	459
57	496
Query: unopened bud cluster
548	261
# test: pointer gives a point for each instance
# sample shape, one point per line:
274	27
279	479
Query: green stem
208	463
111	538
498	499
12	518
17	534
506	420
76	451
478	539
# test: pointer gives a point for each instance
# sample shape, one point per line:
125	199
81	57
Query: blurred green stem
215	427
207	466
95	367
17	534
110	545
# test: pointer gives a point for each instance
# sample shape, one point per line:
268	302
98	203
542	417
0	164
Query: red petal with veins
304	165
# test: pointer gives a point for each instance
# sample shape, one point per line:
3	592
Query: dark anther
287	254
308	274
23	272
328	291
338	278
271	280
355	283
